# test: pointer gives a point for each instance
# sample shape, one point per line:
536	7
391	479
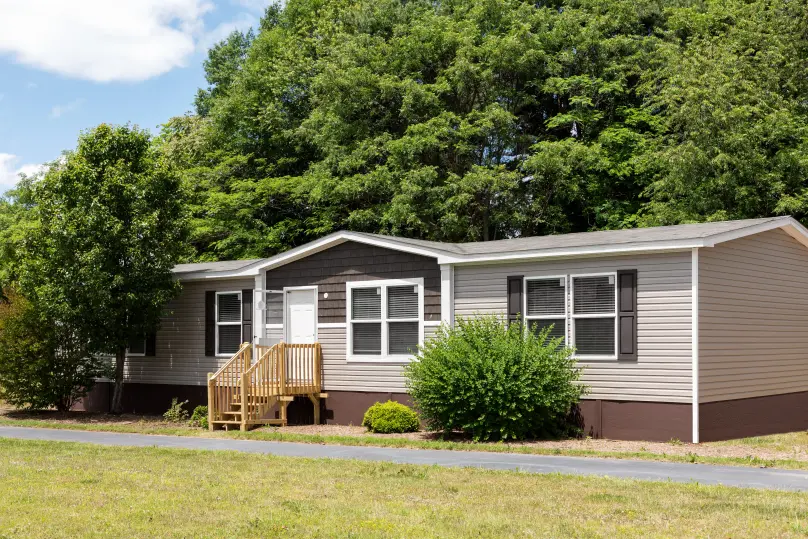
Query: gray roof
583	239
536	246
227	265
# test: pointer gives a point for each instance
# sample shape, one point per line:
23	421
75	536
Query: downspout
694	340
447	294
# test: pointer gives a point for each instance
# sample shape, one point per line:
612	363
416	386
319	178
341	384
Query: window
137	347
385	319
228	322
546	305
594	313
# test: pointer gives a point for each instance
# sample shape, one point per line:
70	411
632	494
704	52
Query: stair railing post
211	400
245	406
283	368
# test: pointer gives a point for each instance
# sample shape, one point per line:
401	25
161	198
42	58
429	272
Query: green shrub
494	382
176	412
390	417
199	418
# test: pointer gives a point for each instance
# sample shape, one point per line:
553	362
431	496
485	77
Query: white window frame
384	357
548	317
135	354
216	314
574	316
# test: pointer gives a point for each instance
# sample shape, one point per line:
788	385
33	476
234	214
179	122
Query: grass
51	489
274	435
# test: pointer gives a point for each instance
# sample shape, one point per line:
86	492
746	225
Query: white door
301	321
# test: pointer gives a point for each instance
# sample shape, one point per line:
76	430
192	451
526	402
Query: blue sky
68	68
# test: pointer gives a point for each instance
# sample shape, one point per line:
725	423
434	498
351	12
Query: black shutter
627	314
210	323
514	299
151	344
246	315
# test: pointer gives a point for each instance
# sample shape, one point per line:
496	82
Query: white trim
528	318
332	325
286	290
432	323
273	326
574	316
217	323
384	357
694	340
447	294
259	331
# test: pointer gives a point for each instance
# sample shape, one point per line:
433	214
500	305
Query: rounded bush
494	382
390	417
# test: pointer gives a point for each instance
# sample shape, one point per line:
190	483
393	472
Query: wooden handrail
223	385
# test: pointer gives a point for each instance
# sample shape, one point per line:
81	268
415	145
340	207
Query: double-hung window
228	322
546	305
385	319
594	315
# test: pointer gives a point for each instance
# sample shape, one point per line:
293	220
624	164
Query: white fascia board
788	224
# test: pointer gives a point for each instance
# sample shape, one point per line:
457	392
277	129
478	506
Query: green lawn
785	443
50	489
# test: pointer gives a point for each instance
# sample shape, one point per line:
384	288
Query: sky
66	66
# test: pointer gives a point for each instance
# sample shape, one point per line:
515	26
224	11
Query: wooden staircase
243	393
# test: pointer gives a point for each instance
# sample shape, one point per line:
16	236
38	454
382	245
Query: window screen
402	302
229	308
594	336
402	337
229	338
558	327
367	338
594	295
366	303
546	297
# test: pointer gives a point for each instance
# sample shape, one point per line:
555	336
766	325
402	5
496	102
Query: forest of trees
467	120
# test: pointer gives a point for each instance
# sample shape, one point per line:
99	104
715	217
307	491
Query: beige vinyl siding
341	375
662	371
753	317
180	354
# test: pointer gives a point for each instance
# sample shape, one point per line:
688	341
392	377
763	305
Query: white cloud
60	110
102	40
242	23
10	172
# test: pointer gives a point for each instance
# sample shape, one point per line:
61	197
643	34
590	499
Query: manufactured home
693	332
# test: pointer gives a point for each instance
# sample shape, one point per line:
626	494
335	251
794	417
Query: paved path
629	469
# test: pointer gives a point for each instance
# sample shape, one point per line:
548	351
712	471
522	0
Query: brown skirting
757	416
144	398
617	420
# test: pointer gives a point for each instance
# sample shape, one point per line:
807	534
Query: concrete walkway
628	469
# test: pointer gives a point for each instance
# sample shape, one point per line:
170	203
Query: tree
43	363
110	226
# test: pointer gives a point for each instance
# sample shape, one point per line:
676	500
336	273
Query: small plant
176	412
199	418
675	441
390	417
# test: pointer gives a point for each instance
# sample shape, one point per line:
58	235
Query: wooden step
226	422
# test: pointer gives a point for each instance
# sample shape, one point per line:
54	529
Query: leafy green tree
43	363
110	226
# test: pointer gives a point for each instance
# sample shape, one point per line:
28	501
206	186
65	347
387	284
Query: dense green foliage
176	412
494	382
388	417
199	417
479	119
107	228
42	363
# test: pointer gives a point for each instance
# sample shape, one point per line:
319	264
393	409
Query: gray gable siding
330	269
753	317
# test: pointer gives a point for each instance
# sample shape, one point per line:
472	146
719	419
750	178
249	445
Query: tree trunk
117	394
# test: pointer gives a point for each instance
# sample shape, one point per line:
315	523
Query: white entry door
301	316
